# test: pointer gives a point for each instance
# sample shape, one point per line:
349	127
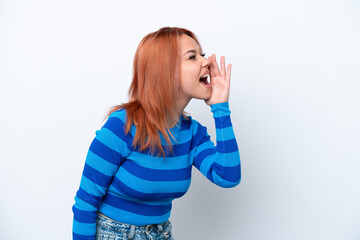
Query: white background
294	102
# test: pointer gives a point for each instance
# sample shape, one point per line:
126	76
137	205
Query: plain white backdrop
294	101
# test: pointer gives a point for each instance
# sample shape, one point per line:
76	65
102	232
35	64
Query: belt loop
132	232
147	231
160	228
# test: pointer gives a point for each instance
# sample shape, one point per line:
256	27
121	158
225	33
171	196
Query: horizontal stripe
90	187
223	183
86	229
227	146
220	109
157	175
178	149
202	155
185	124
224	134
129	192
87	197
146	186
157	201
181	148
231	174
100	164
206	143
111	140
83	205
206	165
183	136
131	218
121	113
83	237
222	122
228	159
105	152
84	216
96	177
135	207
117	126
162	164
201	135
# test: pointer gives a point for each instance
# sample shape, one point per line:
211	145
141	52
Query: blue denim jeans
108	229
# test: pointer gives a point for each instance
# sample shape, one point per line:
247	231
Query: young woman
141	159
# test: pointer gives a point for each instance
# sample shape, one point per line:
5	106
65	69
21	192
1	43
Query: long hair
154	87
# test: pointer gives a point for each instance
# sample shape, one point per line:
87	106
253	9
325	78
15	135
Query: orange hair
155	85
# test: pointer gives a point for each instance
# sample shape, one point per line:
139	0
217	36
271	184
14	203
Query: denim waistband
116	226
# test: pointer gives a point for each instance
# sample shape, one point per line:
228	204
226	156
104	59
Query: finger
215	66
222	66
211	67
228	72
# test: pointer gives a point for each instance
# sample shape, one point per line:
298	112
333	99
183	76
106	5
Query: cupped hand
219	80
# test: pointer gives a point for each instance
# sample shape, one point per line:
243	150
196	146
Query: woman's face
193	67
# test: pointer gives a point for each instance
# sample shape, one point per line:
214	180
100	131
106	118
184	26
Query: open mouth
204	80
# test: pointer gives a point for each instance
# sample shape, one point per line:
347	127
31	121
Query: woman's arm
220	164
104	157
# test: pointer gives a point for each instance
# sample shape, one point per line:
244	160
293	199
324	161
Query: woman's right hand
219	80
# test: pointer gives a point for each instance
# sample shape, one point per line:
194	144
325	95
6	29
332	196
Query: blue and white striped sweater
137	188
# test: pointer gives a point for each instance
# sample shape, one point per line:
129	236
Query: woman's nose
206	62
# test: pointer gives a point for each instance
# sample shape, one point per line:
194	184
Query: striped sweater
137	188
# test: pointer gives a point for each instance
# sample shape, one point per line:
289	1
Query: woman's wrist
220	109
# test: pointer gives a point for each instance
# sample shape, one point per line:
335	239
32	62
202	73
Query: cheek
189	76
190	70
186	84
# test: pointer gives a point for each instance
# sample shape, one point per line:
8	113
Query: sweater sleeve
220	164
105	155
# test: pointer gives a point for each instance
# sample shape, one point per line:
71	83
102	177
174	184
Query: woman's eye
194	56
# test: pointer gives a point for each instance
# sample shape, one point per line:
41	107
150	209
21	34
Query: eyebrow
193	51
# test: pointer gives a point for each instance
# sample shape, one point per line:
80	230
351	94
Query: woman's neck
179	107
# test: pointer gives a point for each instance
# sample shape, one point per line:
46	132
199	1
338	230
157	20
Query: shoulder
118	117
111	137
116	122
118	114
198	131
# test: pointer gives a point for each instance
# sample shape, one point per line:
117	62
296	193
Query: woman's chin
205	97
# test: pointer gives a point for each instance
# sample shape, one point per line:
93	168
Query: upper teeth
205	76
